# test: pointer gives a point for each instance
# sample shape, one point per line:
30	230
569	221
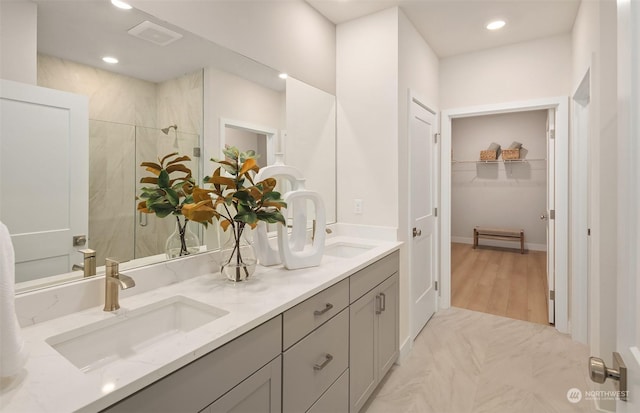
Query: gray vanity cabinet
373	335
243	372
325	355
260	393
313	366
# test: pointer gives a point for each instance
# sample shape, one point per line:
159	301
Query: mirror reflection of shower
116	151
175	129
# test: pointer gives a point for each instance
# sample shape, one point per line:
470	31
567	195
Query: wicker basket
510	154
488	155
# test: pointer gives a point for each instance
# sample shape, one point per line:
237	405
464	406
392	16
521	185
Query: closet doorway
555	212
497	276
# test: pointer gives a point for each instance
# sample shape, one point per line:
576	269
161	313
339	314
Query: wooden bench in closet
503	234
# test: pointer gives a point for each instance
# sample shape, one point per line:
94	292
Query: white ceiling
85	31
454	27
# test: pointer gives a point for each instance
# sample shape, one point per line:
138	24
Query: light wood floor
500	281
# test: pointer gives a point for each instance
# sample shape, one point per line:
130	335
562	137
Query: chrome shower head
168	128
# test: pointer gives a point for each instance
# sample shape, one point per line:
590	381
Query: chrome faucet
89	264
114	281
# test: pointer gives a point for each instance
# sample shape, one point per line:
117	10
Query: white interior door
550	215
628	312
423	176
44	194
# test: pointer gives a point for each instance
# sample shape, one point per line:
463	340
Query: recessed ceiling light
121	4
110	60
283	75
496	24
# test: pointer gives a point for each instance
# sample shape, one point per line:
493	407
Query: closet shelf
502	161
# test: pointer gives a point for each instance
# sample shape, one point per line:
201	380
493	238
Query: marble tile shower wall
111	189
126	115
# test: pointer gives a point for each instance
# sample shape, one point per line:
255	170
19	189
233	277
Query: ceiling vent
154	33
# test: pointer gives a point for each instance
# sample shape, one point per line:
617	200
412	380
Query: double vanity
316	339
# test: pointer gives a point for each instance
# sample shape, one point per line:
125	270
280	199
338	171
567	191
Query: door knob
417	232
543	217
599	373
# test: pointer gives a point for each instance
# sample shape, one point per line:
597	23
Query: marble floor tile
471	362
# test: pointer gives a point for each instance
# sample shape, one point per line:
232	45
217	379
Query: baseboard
501	244
405	350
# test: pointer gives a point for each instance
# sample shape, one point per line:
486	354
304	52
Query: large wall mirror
170	92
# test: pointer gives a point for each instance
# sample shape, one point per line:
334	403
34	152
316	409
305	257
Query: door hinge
436	285
552	214
588	232
435	212
196	152
552	134
436	136
552	295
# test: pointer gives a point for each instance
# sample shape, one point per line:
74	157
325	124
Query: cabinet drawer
313	312
196	385
313	364
336	399
367	278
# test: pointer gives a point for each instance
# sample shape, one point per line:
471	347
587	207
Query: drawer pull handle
327	359
378	304
383	307
326	308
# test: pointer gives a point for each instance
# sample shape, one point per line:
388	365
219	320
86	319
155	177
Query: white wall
419	73
524	71
18	41
380	58
311	139
367	119
499	195
594	38
288	36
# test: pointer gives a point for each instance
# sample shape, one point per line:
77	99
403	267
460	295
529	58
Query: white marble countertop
50	383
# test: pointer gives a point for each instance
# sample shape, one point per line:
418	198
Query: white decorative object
13	353
306	257
267	254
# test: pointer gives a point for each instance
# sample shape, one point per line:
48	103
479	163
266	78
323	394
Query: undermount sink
346	249
133	332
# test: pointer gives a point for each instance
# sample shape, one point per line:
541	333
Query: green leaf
271	217
163	179
172	197
248	217
245	197
271	196
232	170
188	200
161	210
231	152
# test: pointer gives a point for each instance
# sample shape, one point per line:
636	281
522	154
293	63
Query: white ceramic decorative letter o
267	254
307	257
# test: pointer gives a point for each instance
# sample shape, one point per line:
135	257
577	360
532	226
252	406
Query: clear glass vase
238	258
182	241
